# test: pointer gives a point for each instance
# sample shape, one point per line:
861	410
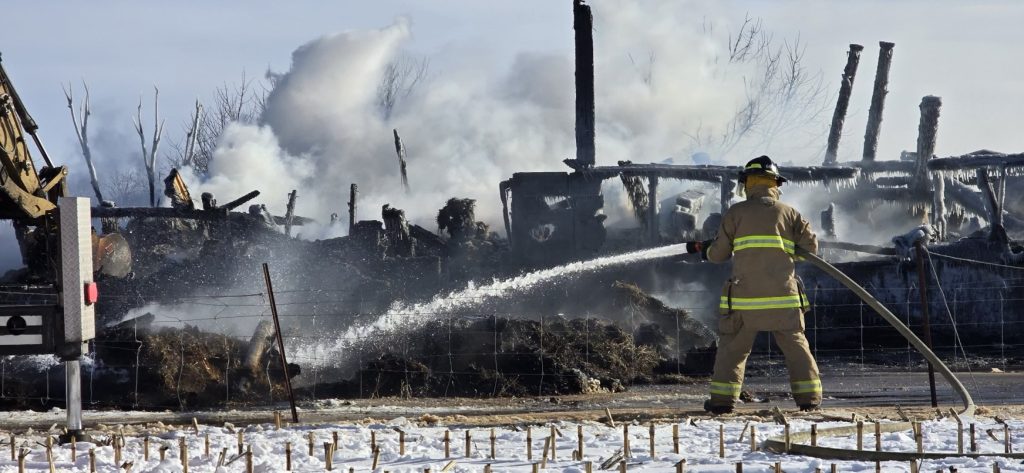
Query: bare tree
400	77
781	97
81	131
243	102
124	186
158	130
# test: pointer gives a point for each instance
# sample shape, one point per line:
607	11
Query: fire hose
791	444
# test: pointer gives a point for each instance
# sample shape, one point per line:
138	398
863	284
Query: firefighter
763	294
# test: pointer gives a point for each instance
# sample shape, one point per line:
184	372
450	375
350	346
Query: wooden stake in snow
814	435
611	420
334	439
14	441
878	436
328	458
626	452
788	443
529	443
74	448
447	444
469	444
92	460
554	442
652	439
288	456
753	437
974	442
376	459
206	446
860	435
622	466
721	441
241	443
310	440
681	466
183	454
675	438
277	420
494	450
739	467
1006	439
248	460
842	103
588	467
401	442
918	436
145	448
579	441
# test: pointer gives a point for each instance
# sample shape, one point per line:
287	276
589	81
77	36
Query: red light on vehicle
92	293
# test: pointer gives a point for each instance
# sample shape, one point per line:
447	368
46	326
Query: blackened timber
290	212
352	193
715	174
881	89
583	24
239	201
842	103
165	212
652	211
400	150
927	129
975	161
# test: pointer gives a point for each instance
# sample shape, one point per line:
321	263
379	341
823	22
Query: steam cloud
466	129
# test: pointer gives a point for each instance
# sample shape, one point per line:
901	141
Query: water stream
403	317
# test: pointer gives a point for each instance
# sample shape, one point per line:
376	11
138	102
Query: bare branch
82	133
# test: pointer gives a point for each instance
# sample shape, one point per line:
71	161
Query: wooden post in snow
878	100
842	103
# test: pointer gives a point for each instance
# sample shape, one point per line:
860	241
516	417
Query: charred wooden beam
353	191
995	217
976	161
503	189
583	24
165	212
927	129
400	150
209	201
654	233
715	174
878	94
842	103
726	190
239	201
289	214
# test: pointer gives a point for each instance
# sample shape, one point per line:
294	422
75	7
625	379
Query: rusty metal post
925	315
280	342
583	24
842	103
878	100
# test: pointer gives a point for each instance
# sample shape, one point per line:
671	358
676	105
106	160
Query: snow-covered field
425	447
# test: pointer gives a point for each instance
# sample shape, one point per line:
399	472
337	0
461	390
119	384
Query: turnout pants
738	331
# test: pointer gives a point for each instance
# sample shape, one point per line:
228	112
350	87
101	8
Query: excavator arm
25	193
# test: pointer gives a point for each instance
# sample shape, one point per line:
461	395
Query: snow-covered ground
425	448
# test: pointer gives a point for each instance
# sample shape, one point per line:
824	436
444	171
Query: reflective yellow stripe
806	387
795	301
726	389
764	241
754	166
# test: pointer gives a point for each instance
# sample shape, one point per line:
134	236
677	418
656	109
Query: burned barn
560	303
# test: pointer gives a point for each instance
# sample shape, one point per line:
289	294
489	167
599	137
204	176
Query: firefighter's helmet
764	166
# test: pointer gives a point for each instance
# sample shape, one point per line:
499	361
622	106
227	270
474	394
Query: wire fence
200	350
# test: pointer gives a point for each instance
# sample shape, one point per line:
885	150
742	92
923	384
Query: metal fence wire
198	350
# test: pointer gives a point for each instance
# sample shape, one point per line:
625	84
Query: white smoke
660	75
